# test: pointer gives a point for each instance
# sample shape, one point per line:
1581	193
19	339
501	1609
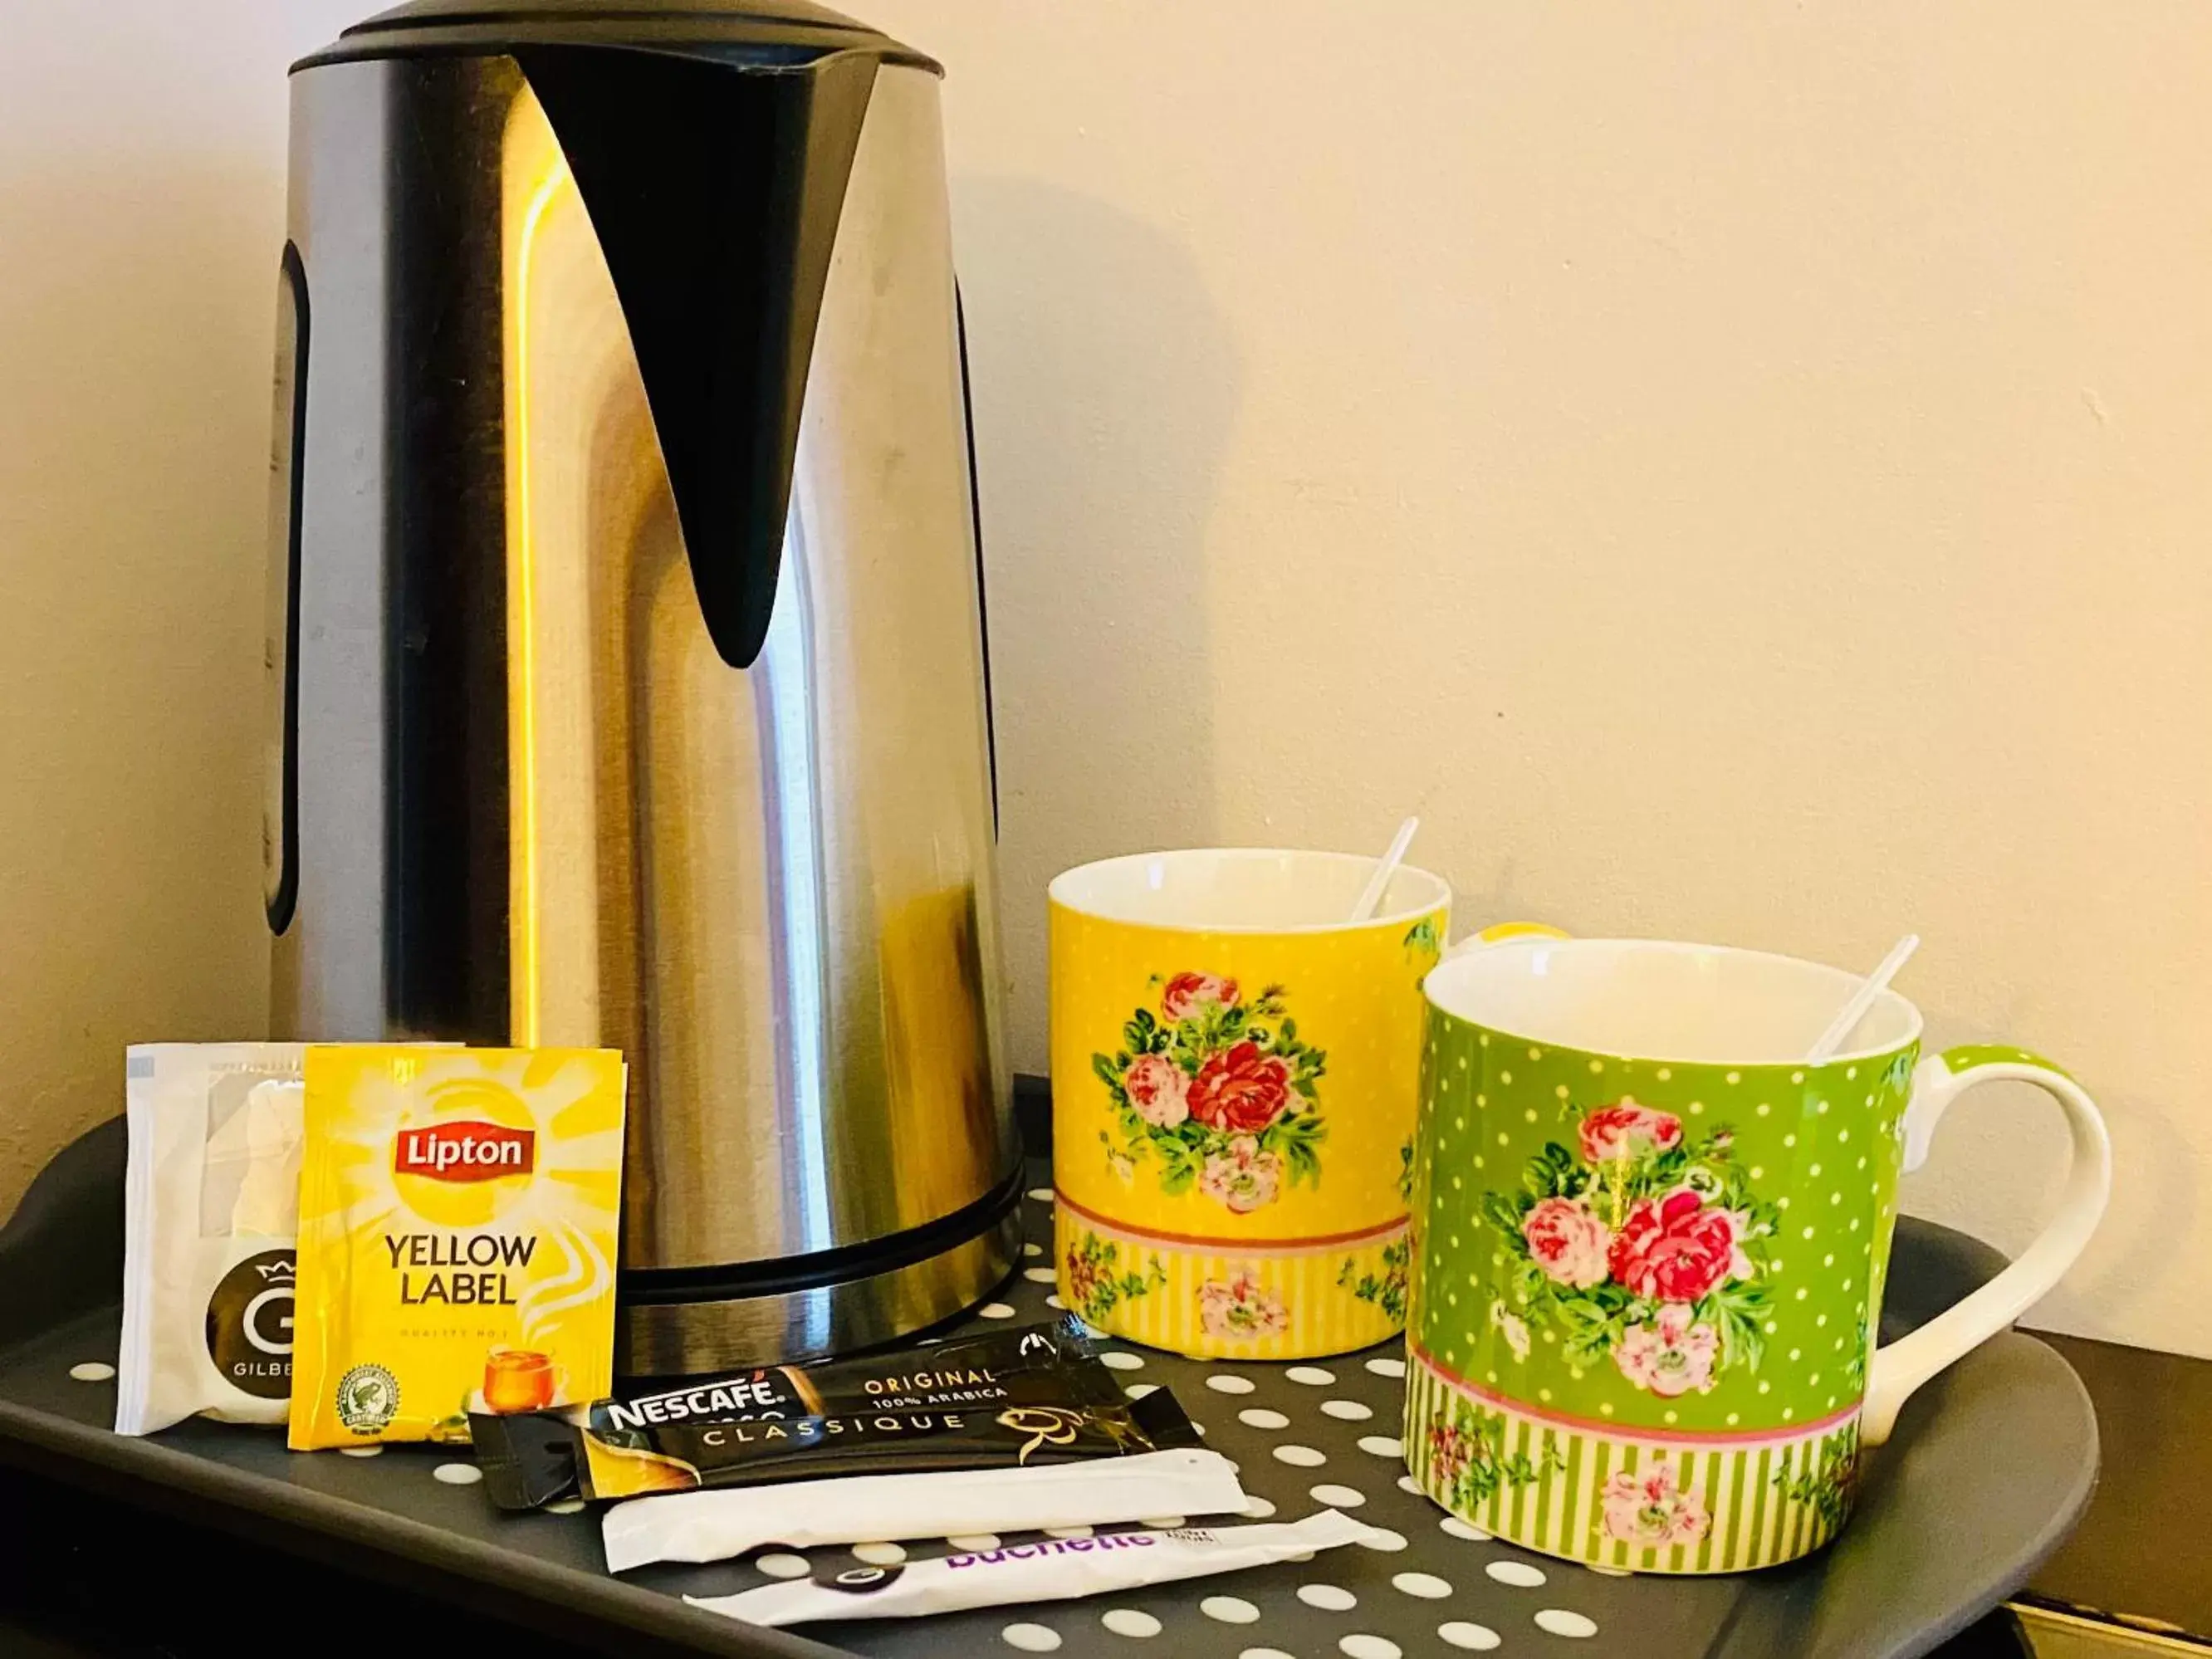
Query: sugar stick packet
1052	1570
713	1525
1040	1395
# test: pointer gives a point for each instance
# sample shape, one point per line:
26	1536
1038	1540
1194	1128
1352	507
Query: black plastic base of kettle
682	1322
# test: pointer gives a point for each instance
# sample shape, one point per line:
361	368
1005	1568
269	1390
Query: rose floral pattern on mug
1098	1281
1221	1300
1215	1093
1649	1507
1242	1307
1643	1244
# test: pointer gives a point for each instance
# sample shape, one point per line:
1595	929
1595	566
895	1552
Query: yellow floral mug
1235	1073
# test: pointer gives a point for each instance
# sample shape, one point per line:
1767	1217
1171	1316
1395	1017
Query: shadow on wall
1104	381
135	329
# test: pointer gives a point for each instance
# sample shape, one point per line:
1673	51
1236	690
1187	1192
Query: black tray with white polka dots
1989	1468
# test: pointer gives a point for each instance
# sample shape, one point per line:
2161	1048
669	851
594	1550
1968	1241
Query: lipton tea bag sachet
457	1210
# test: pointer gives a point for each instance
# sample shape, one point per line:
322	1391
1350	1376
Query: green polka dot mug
1650	1240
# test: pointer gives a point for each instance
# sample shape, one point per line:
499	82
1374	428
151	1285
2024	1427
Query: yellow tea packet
457	1210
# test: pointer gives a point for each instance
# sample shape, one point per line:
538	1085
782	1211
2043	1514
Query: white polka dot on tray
1347	1410
1300	1457
1228	1383
360	1451
782	1564
1040	1275
566	1506
1312	1375
1261	1417
1382	1445
1609	1572
1117	1360
973	1541
995	1310
1329	1598
1031	1638
1165	1523
1406	1482
880	1555
1043	1194
1265	1653
1139	1390
1381	1538
1519	1574
1559	1621
1129	1622
1459	1529
92	1371
1338	1497
1426	1585
1068	1532
1361	1645
1054	1302
1230	1609
1475	1638
457	1474
1257	1507
1387	1367
1032	1249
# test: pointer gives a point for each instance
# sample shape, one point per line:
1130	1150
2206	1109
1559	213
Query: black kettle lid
416	12
429	13
770	28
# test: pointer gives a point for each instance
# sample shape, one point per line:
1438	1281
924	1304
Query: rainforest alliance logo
368	1399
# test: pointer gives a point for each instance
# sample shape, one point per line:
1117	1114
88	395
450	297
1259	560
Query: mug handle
1900	1367
1502	932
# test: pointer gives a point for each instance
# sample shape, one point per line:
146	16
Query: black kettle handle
714	188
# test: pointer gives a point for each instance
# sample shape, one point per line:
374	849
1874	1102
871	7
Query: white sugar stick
713	1525
1056	1569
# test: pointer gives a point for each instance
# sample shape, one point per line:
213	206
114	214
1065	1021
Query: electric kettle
625	667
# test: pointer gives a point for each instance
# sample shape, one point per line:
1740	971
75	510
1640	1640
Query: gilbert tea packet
458	1211
211	1205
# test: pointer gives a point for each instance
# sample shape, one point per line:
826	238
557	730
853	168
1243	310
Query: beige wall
141	184
1737	471
1740	472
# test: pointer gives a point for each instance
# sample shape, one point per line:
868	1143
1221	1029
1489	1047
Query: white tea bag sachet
211	1215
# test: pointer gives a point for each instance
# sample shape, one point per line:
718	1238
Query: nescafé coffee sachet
457	1210
1040	1395
967	1370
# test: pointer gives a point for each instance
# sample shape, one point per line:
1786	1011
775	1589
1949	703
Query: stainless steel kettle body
626	670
